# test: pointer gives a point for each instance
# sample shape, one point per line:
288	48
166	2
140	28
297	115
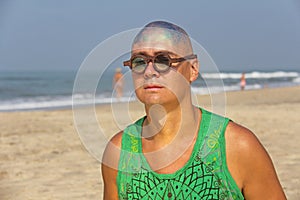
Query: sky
239	35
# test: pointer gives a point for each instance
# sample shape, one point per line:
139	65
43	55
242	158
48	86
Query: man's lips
152	86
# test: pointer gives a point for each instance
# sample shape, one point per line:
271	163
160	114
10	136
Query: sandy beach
42	156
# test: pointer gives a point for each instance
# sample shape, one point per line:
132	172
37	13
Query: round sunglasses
162	62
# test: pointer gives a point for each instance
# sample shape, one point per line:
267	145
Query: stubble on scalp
161	31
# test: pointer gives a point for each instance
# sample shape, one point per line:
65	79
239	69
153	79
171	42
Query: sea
25	90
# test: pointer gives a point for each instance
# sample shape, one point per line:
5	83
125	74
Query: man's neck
164	124
168	141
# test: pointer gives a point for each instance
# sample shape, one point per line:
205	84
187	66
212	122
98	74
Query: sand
42	156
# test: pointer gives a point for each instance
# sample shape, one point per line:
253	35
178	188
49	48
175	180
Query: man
179	151
243	81
118	83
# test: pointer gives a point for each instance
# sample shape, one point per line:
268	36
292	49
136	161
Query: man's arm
109	167
251	166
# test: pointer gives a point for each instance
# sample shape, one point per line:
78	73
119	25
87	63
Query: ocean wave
251	75
54	102
296	80
78	100
225	88
34	104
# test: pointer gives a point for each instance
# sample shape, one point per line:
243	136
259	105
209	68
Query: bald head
163	35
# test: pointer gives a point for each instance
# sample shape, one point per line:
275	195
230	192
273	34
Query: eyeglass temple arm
127	63
192	56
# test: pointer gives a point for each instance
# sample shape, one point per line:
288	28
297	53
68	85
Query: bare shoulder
117	139
112	151
250	164
241	138
109	166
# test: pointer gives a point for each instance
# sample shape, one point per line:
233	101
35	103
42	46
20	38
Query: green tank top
204	176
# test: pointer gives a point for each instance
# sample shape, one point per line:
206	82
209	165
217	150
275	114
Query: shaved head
163	35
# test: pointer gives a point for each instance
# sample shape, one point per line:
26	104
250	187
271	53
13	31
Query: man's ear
194	70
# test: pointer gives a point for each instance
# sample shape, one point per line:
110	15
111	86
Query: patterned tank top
204	176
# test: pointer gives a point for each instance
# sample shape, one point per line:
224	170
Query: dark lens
162	63
138	64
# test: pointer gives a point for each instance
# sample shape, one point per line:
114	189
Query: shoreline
114	101
42	156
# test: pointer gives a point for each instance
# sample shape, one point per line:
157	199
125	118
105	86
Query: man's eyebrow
144	53
166	52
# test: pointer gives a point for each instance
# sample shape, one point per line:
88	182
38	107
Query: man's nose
150	70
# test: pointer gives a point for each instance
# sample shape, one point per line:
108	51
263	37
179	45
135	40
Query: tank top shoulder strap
131	136
130	155
213	153
213	128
